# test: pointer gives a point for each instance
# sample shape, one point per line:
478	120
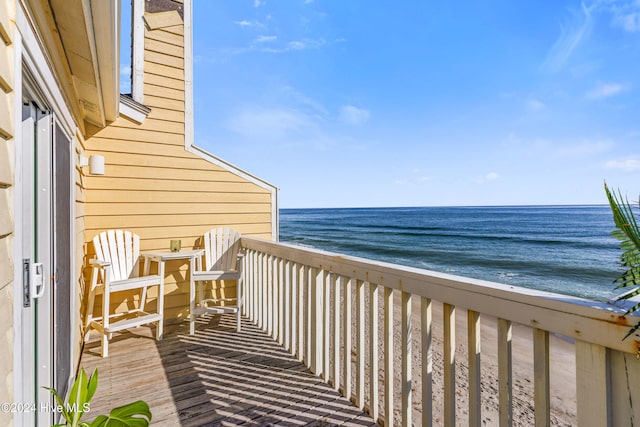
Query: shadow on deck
216	377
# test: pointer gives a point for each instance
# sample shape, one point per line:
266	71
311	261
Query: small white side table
163	256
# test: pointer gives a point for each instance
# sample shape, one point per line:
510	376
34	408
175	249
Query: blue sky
413	103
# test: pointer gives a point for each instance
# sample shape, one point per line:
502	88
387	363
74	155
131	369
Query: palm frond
628	233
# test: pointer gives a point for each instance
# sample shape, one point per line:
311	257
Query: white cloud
296	45
258	3
629	22
243	23
491	176
353	115
125	70
605	90
274	123
266	39
628	165
571	35
537	105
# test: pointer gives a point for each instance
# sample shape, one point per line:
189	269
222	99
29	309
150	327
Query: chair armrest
99	264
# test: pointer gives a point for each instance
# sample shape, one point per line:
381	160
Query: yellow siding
7	14
155	188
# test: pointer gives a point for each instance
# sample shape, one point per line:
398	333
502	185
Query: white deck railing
303	298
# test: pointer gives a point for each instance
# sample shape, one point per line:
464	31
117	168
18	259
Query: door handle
37	279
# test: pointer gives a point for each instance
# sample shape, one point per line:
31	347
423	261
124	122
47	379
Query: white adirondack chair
116	269
223	261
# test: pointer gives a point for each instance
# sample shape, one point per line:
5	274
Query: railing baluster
346	327
592	384
427	360
360	344
252	285
317	309
335	285
388	356
541	386
270	295
473	335
281	301
406	359
326	319
263	293
504	372
449	313
285	319
299	312
293	305
373	351
309	280
256	288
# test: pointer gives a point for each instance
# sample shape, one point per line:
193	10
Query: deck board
217	377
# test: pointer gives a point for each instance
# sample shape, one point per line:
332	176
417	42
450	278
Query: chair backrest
122	249
221	247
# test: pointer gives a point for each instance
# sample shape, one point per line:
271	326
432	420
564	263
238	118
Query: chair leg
238	327
105	345
159	331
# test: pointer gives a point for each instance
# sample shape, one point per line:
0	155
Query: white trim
189	125
245	175
106	35
137	51
34	59
18	356
131	113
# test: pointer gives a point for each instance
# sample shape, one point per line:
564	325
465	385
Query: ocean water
563	249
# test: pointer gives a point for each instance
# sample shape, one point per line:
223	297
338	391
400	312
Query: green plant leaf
93	385
135	414
60	402
628	233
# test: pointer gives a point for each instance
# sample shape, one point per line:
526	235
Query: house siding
7	149
154	187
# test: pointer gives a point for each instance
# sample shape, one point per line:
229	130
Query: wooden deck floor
215	378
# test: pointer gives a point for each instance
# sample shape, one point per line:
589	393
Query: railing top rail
590	321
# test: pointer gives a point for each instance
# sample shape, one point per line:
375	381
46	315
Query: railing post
335	285
269	294
286	318
388	357
326	319
505	373
346	327
373	351
406	359
263	293
541	385
593	384
427	360
474	349
316	321
310	289
449	313
281	301
360	344
300	312
293	313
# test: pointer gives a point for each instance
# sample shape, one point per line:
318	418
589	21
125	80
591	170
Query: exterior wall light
95	163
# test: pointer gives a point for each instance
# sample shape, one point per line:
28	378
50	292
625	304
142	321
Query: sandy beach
562	373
